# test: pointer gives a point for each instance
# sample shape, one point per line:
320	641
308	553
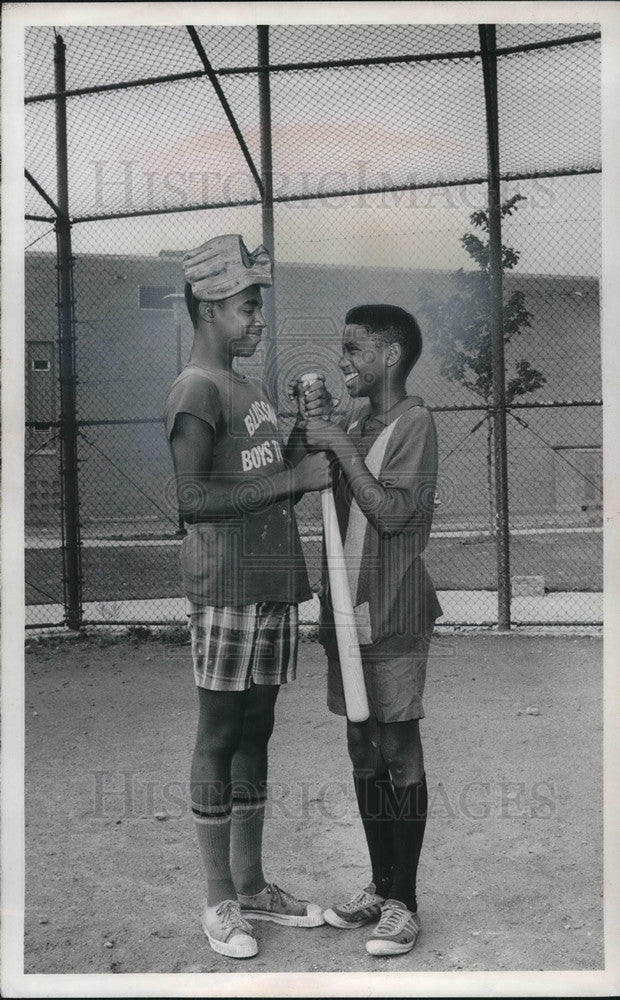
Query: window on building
41	395
154	296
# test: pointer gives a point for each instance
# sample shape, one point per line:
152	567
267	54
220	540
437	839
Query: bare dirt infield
511	871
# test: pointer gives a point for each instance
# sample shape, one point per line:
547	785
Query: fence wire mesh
379	174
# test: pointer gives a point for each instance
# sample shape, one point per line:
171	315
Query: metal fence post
266	163
66	343
489	68
177	301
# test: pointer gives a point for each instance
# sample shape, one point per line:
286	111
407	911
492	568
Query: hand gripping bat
353	684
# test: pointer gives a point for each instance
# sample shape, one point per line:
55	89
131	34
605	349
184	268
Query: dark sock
411	804
374	800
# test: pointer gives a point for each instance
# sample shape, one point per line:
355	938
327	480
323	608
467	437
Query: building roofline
297	265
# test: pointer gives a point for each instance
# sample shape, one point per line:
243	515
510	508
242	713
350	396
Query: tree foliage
458	325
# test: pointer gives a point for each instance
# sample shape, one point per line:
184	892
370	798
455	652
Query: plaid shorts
233	647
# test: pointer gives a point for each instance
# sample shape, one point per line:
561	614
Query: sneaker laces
281	895
363	898
392	920
232	920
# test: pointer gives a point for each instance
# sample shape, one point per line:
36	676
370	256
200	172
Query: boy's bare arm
202	498
295	447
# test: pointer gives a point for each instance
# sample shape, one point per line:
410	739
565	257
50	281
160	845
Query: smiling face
364	360
238	321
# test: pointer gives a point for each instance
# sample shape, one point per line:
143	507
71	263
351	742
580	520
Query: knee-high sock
374	796
411	804
213	831
246	843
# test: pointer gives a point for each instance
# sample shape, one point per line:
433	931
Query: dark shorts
233	647
394	686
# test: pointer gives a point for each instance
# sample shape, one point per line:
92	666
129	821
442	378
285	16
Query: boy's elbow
187	507
392	513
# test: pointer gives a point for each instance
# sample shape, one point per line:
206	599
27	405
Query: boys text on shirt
251	556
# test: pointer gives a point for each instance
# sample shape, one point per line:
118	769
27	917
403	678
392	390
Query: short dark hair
192	304
393	324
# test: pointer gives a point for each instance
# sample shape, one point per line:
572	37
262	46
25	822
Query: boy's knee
258	725
401	749
219	738
257	732
363	749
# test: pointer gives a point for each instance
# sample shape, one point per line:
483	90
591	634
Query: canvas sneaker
397	930
227	931
357	911
273	903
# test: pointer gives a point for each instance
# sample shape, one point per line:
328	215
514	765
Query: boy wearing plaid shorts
387	468
244	574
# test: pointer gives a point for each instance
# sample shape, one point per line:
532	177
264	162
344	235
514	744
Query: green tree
459	333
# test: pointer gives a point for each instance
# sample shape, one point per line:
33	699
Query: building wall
127	358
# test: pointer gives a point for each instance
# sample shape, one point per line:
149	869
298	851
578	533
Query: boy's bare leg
259	899
249	789
228	787
220	727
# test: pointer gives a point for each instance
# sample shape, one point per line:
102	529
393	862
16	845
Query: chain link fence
379	142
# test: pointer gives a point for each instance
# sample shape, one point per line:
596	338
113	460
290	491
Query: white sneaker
396	932
227	931
274	904
363	908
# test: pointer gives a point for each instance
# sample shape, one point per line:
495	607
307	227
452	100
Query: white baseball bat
356	700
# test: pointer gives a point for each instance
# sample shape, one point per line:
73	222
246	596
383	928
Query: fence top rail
344	193
315	65
418	57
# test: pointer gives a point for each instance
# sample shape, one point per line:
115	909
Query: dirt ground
511	871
